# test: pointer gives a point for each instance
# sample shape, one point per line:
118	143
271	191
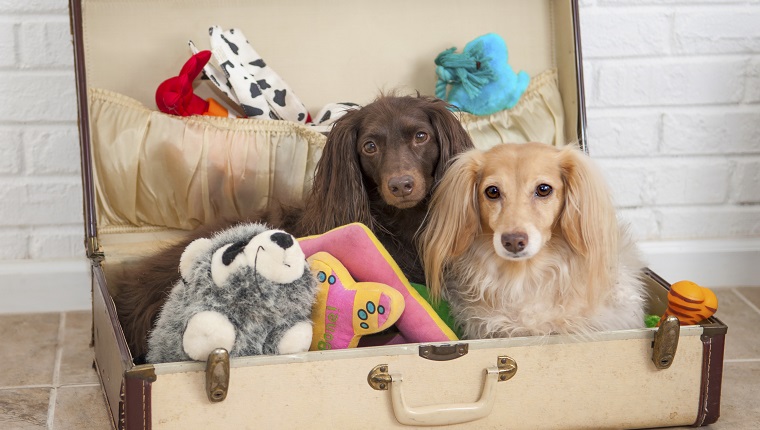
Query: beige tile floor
47	380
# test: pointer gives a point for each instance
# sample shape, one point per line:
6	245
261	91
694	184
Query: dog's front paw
205	332
296	339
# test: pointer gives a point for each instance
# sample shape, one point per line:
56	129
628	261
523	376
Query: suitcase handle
445	414
436	415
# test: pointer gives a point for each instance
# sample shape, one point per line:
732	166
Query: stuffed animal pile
253	291
246	82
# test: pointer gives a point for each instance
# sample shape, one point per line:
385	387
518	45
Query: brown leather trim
582	140
657	278
137	401
121	341
712	378
90	224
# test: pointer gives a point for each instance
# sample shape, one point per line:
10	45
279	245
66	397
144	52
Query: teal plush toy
482	81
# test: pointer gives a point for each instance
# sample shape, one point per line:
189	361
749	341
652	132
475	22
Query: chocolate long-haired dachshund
378	167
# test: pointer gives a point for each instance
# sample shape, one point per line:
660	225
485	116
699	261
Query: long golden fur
522	239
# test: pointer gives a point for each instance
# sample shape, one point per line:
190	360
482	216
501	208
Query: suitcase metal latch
217	375
443	352
666	342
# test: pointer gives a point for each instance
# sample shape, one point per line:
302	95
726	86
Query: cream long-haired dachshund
523	240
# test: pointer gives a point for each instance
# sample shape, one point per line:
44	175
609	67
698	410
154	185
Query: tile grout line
23	387
49	386
56	371
745	300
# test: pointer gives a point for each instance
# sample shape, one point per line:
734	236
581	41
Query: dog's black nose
514	242
284	240
401	186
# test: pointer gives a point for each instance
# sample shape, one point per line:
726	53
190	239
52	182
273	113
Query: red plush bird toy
175	95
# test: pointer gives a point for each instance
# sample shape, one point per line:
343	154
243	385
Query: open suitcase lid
324	53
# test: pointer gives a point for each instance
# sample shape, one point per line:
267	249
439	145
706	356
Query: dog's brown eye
369	147
420	137
492	192
543	190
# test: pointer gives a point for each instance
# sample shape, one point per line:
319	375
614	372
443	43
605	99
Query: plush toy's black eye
492	192
369	147
543	190
233	251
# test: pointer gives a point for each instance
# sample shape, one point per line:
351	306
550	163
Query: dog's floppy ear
338	196
588	221
452	137
453	218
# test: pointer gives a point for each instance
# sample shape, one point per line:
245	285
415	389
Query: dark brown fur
414	137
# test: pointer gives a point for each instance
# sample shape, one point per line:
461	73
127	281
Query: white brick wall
673	92
40	183
673	103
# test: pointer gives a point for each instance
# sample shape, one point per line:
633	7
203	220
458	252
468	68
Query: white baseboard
45	286
64	285
708	262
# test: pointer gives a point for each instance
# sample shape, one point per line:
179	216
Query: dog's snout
283	240
401	186
514	242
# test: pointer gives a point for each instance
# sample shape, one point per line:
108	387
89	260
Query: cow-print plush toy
249	82
259	88
248	289
332	111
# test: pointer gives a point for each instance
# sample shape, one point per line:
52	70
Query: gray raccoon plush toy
247	289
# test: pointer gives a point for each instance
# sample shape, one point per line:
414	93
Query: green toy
651	320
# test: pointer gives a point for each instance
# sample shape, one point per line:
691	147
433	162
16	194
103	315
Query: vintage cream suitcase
344	50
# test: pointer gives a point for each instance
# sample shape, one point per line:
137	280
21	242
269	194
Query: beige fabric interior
158	170
341	50
153	169
537	117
